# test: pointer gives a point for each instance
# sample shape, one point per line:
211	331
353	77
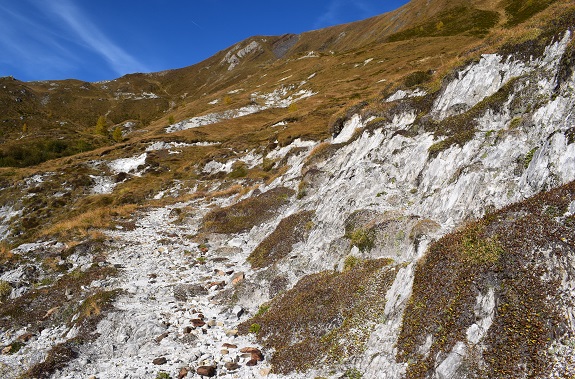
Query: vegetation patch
518	11
326	317
291	230
460	129
26	154
247	213
456	21
417	78
33	307
502	252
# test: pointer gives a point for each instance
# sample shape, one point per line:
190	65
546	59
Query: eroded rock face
367	220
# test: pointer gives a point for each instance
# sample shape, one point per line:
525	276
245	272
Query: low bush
247	213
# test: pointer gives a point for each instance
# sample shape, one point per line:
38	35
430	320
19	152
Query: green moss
163	375
350	262
362	238
529	157
255	328
505	252
291	230
262	310
247	213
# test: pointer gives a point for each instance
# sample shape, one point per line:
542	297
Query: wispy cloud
29	46
336	10
93	38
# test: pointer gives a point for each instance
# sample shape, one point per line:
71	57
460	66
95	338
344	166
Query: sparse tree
117	134
25	128
171	120
439	26
101	127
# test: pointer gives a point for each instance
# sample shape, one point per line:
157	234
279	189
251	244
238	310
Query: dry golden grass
6	254
88	223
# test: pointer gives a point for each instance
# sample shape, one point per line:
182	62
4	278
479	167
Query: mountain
391	198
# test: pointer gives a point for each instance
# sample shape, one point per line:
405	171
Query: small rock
183	372
231	366
217	285
220	273
212	323
231	332
230	346
237	278
187	330
254	352
265	371
201	316
198	323
208	371
6	350
189	338
238	311
160	361
50	312
160	338
224	352
26	337
252	362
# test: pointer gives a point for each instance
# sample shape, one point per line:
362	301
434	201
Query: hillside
391	198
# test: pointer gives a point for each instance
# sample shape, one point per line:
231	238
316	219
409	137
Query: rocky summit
392	198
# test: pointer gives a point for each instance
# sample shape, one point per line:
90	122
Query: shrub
255	328
417	78
291	230
101	127
117	134
327	317
363	238
163	375
5	290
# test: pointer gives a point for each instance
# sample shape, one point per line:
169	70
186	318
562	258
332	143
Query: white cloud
29	45
120	61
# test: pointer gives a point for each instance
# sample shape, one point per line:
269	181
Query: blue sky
96	40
